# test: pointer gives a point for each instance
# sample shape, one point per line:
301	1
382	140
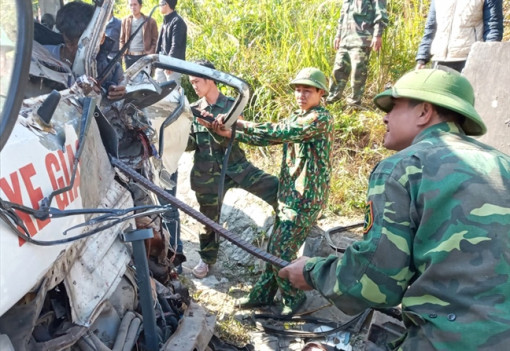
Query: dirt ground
228	280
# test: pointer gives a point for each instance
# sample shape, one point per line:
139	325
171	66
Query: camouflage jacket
437	240
306	138
209	150
360	20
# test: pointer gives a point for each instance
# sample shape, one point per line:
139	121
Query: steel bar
233	238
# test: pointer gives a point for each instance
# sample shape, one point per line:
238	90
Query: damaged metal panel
98	268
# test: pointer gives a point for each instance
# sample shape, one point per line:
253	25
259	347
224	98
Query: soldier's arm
294	130
381	17
340	20
192	143
376	271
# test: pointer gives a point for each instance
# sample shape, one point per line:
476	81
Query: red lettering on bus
35	194
13	194
53	167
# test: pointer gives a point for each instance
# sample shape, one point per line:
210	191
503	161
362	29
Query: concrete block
488	70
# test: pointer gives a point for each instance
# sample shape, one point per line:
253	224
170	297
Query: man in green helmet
437	224
306	136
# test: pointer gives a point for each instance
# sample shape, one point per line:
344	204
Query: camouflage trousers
289	234
353	63
256	182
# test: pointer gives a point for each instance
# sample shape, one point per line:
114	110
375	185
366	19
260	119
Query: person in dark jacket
172	38
48	21
453	26
112	31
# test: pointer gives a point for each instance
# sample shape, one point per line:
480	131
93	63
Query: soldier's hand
220	129
336	43
116	92
206	121
376	43
294	274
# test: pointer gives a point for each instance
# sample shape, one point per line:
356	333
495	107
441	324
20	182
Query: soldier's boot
262	293
291	305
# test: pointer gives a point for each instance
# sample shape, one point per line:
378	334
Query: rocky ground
236	270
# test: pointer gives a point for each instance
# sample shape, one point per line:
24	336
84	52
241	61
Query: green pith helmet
446	89
311	76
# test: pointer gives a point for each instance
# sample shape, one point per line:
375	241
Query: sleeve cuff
307	271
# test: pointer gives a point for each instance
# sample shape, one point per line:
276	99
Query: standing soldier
305	172
145	40
360	30
208	159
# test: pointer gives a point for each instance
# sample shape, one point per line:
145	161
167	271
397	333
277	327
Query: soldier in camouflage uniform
437	225
208	159
359	31
306	137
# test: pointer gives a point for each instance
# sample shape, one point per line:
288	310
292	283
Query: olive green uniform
205	174
306	138
360	21
437	240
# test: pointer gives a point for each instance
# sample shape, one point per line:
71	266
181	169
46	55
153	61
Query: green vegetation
266	42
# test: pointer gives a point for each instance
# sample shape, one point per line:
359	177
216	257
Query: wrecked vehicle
85	263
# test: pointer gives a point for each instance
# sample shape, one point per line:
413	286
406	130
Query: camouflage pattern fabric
353	63
437	240
303	192
206	171
360	21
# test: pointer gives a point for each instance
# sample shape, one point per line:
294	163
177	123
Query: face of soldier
401	124
307	97
135	7
200	85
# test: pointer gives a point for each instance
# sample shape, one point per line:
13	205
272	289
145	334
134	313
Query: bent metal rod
233	238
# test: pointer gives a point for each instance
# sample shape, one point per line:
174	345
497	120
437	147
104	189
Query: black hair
171	3
140	2
447	115
205	63
47	20
444	113
73	18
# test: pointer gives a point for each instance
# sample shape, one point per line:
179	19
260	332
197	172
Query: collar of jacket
436	129
220	102
168	18
131	17
303	112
